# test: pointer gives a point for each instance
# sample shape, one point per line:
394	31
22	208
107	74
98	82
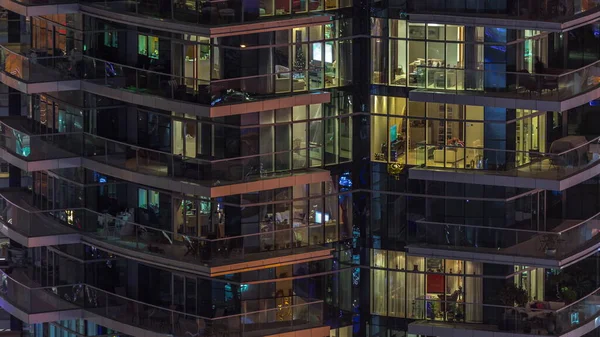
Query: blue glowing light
345	180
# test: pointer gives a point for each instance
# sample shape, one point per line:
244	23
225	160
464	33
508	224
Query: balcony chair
528	83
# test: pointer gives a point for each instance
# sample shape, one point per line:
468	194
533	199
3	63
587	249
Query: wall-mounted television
317	52
393	133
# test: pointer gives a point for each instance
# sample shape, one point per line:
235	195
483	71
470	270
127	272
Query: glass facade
197	12
324	168
450	135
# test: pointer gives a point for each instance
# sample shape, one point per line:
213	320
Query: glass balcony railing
568	238
289	313
526	164
39	147
221	13
157	163
547	86
558	319
38	300
37	69
192	90
43	2
122	231
552	10
209	173
286	316
209	252
28	221
30	69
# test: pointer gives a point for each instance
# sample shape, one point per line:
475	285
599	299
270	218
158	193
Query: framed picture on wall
416	32
432	33
435	284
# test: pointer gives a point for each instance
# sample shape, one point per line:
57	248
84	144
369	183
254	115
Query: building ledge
544	102
21	298
33	165
39	87
489	256
31	227
507	179
222	267
25	9
321	331
506	21
208	188
283	101
46	317
449	329
39	241
270	24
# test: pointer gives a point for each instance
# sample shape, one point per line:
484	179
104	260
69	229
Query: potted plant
458	315
568	295
511	295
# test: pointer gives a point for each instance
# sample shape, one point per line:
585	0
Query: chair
549	84
167	237
110	229
189	246
120	222
527	82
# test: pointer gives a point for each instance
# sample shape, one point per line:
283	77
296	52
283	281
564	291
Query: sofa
284	82
540	308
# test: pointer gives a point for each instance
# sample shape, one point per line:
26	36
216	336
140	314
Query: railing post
172	322
103	71
172	166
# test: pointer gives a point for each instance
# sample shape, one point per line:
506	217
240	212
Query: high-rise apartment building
300	168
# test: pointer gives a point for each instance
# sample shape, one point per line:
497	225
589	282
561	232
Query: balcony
32	304
213	257
29	226
38	74
216	19
130	317
121	235
558	91
203	177
20	297
520	14
19	147
215	98
39	8
562	319
567	243
551	171
158	169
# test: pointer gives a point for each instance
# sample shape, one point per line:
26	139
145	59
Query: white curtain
397	299
415	287
473	292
